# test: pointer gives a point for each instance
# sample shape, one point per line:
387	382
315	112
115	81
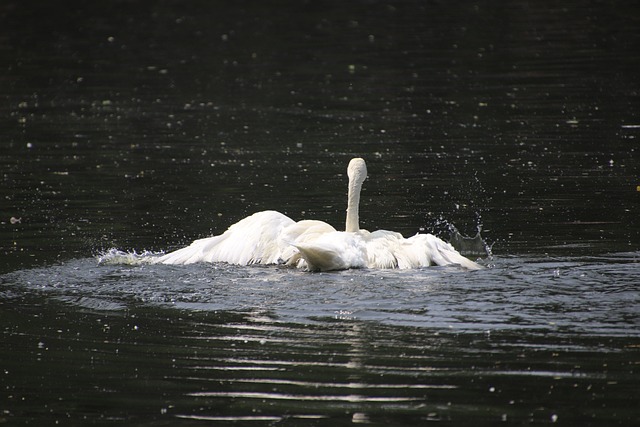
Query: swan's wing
432	250
195	252
253	240
388	249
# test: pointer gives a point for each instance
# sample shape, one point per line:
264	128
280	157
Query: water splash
466	245
115	256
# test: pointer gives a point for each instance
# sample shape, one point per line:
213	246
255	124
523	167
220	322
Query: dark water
143	125
528	341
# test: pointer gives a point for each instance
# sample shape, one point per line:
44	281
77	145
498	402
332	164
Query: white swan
270	237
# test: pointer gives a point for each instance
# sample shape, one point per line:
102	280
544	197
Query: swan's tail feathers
333	251
321	259
442	253
305	237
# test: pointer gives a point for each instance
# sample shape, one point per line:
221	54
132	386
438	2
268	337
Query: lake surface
140	126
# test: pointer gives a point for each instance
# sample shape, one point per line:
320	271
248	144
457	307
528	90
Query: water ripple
595	294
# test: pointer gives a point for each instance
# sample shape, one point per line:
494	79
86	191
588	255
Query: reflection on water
143	125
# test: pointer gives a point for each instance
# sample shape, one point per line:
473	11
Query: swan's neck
353	203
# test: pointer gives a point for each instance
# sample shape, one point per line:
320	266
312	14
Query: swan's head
357	170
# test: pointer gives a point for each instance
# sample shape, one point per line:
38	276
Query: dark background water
146	124
134	124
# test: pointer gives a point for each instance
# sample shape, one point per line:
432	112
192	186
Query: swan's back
383	249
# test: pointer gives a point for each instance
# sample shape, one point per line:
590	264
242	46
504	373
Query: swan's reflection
294	371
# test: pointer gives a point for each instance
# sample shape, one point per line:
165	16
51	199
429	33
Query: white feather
253	240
